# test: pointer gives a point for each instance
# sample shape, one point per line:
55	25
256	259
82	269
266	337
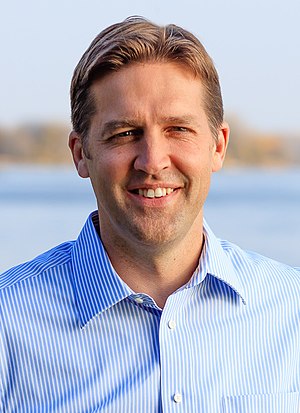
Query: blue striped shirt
75	338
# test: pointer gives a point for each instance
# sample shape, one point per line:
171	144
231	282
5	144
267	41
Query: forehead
157	85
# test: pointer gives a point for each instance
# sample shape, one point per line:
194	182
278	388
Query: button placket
170	344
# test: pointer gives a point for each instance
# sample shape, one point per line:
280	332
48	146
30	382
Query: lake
40	207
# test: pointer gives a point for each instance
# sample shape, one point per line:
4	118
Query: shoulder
49	260
240	257
262	273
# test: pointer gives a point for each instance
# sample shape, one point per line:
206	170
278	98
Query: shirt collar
97	285
216	262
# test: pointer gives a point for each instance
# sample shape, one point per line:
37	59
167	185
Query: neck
155	270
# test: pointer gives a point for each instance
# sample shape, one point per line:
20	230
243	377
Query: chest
192	357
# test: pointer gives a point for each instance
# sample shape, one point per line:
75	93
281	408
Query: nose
153	154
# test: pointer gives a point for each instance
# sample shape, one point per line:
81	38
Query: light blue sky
255	45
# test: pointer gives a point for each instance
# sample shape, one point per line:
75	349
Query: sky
255	46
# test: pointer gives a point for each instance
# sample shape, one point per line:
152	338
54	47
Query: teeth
157	193
149	193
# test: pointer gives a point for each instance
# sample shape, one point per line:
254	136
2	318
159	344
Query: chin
153	236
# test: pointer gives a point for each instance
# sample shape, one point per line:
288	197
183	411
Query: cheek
197	163
200	174
110	172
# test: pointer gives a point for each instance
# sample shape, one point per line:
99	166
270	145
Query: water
258	210
41	207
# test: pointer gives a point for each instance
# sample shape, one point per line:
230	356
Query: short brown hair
138	40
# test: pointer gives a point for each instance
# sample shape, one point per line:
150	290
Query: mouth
153	193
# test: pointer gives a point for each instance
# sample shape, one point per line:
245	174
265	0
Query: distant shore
46	143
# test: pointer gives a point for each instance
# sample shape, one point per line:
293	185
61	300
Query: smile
155	193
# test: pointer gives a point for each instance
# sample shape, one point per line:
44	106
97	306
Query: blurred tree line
251	147
35	143
47	143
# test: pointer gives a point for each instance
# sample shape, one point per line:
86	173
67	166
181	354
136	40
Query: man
147	311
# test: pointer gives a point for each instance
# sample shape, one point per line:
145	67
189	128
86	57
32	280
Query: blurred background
255	45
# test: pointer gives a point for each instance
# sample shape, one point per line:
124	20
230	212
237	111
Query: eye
124	134
127	134
180	133
178	130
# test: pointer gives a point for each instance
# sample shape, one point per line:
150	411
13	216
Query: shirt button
177	398
139	300
172	324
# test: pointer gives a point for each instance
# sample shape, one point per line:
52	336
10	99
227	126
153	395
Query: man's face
150	153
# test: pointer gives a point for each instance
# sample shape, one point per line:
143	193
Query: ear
75	144
220	147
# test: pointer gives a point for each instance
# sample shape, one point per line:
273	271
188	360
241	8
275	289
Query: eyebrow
186	119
